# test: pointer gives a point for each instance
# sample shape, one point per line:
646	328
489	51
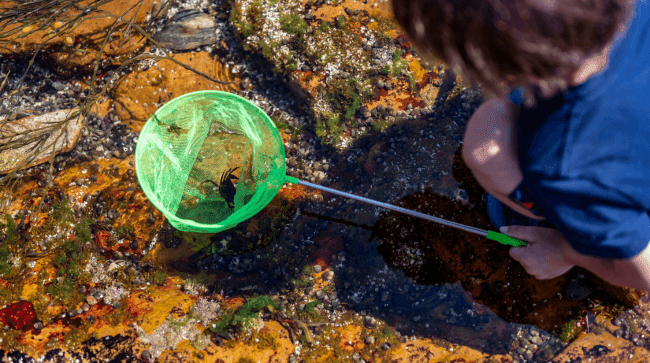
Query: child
575	152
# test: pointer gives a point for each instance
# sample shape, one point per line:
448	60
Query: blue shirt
585	154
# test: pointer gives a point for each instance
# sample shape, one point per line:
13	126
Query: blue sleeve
516	96
596	219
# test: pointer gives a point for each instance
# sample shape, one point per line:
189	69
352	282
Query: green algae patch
243	317
292	23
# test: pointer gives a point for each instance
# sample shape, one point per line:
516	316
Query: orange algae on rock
19	315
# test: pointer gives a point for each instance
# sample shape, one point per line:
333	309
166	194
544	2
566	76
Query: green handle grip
506	240
290	179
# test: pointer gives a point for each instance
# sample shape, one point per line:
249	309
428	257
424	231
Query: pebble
317	268
38	326
117	305
380	84
82	289
536	340
113	214
320	295
146	355
85	307
370	340
369	322
328	275
91	300
528	354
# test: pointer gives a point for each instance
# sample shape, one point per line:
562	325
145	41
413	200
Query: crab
227	189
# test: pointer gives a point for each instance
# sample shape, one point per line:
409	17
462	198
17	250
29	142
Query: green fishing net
209	160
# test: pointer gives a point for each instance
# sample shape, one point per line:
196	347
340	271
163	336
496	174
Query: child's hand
545	256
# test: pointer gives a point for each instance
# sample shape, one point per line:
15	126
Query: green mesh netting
209	160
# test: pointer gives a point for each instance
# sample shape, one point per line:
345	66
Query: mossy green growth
61	210
8	229
399	64
570	330
64	291
340	22
7	239
324	27
292	23
83	229
329	124
243	316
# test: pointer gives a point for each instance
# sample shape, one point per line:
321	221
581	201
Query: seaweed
292	23
243	316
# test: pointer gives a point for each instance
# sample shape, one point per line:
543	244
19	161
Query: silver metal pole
413	213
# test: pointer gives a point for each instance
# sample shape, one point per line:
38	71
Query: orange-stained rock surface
297	238
602	348
140	93
75	41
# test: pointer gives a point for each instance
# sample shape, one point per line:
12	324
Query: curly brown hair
500	43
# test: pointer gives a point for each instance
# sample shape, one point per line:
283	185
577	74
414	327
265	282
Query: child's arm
549	255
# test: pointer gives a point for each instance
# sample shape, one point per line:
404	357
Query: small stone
146	355
385	346
348	11
380	84
82	289
320	295
528	354
521	350
113	214
58	86
134	244
536	340
356	12
91	300
369	322
328	275
317	268
345	75
85	307
117	305
370	340
305	68
38	326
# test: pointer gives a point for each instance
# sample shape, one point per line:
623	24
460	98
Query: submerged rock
188	29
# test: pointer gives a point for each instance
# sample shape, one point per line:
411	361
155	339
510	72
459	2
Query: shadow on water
420	277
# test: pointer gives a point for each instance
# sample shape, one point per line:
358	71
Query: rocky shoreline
91	271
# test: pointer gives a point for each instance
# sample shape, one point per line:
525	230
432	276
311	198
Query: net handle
495	236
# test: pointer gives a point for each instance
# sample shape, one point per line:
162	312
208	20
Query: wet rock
90	299
576	290
328	275
370	340
38	326
187	29
66	138
317	268
113	214
369	322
